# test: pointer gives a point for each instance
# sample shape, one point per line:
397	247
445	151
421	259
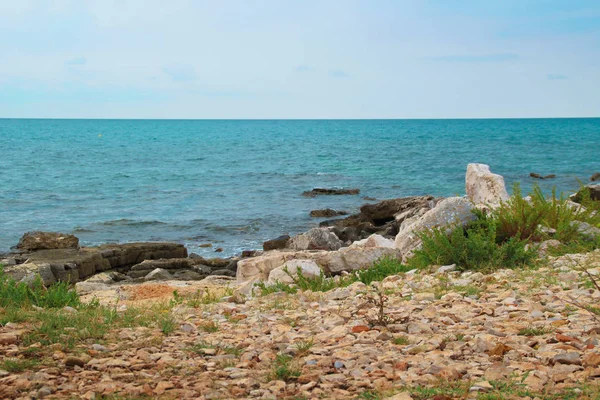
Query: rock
74	361
327	213
330	192
374	240
570	358
400	396
424	297
205	245
308	268
447	214
223	272
538	176
188	275
595	177
484	187
591	360
28	273
219	250
588	231
315	239
158	274
7	338
594	192
546	245
277	243
352	259
446	268
38	240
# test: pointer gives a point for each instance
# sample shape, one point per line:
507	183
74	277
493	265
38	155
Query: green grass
303	346
209	327
381	269
167	324
284	368
401	340
19	294
16	365
532	331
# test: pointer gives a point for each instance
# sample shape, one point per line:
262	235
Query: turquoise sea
236	183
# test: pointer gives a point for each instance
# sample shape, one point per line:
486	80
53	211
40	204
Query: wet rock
327	213
330	192
595	177
277	243
38	240
538	176
484	187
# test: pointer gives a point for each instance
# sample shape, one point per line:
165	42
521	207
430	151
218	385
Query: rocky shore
439	332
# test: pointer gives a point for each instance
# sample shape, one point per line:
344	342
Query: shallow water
237	183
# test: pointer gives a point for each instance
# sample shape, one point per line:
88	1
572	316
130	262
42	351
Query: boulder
595	177
484	187
259	267
330	192
315	239
447	214
308	268
128	254
30	271
37	240
588	231
158	274
277	243
327	213
594	191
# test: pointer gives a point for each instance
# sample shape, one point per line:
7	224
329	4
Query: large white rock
447	214
484	187
308	268
316	239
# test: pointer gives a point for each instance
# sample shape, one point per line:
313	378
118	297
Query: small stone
70	309
591	360
7	338
99	347
424	296
162	387
570	358
74	361
400	396
43	392
446	268
187	327
360	328
482	386
338	364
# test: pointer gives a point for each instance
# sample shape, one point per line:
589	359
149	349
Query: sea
237	183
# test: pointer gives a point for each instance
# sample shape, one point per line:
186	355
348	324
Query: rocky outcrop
74	265
38	240
315	239
383	218
595	177
484	187
331	262
447	214
277	243
327	213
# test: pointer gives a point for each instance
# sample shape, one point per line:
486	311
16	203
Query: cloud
338	73
180	74
557	77
477	58
76	61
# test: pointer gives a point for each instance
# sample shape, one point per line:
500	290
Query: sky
299	58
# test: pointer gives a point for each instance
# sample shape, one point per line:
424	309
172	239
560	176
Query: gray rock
188	275
446	268
570	358
316	239
446	215
326	213
588	231
170	263
223	272
158	274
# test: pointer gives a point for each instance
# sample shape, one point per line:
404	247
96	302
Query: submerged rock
330	192
538	176
327	213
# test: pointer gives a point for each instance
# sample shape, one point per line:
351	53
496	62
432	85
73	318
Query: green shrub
476	247
517	218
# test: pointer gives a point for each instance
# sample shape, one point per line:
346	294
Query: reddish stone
360	328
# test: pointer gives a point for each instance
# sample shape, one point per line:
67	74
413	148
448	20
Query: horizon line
289	119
